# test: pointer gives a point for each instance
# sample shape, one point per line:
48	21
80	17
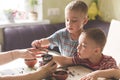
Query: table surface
76	72
18	67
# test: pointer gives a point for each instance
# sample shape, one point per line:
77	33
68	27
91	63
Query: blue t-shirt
63	41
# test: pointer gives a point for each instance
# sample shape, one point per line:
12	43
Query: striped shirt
105	63
63	41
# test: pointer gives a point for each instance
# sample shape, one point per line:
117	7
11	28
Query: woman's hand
28	53
48	68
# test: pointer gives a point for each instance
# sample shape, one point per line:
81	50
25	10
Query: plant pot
33	15
30	62
60	75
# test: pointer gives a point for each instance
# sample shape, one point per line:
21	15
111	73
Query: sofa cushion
112	46
18	36
21	36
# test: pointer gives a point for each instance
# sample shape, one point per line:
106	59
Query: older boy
67	39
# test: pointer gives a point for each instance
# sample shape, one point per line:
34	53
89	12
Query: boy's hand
36	43
90	76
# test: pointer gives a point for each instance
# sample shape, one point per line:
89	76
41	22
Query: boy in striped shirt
89	52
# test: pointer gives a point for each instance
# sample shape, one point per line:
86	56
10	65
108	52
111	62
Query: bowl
30	62
60	75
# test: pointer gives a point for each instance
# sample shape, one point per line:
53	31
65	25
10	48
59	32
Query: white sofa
112	46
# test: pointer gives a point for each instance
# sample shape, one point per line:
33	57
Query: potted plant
10	14
33	14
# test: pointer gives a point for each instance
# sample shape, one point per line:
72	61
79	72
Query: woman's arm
8	56
40	74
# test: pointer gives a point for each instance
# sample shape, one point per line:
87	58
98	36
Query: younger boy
89	52
67	39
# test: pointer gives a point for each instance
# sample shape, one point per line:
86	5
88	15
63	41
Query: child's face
86	48
74	20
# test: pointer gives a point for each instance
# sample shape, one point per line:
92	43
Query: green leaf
33	3
96	1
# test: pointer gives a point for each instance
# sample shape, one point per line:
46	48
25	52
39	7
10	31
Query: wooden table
18	67
76	72
15	67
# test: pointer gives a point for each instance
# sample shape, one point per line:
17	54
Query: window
12	4
12	10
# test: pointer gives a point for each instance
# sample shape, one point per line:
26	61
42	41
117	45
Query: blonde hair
77	5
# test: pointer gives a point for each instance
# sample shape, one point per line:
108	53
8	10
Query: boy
67	39
89	52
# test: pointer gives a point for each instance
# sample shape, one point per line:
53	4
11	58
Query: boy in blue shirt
66	39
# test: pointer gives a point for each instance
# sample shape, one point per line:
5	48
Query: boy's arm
108	73
44	42
116	73
62	60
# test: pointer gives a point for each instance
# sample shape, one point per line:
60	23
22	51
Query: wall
59	5
87	2
109	9
54	4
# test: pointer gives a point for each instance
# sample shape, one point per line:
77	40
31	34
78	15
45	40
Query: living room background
53	10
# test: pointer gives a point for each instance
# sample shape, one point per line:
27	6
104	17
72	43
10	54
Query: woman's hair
97	35
77	5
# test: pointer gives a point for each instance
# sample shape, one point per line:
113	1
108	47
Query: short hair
77	5
97	35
